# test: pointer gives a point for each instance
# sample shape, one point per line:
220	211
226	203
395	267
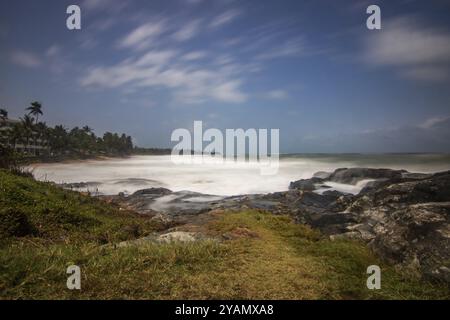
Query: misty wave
237	177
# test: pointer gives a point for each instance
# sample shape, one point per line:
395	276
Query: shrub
14	223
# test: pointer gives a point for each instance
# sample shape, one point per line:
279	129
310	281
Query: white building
34	146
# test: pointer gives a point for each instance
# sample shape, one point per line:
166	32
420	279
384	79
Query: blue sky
310	68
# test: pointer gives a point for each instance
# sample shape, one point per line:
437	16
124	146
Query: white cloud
294	47
277	94
403	41
229	92
188	31
418	52
432	122
143	36
25	59
223	59
194	55
156	58
224	18
162	69
53	51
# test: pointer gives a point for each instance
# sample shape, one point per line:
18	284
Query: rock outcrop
407	222
403	217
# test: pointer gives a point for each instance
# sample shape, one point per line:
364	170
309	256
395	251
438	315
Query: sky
309	68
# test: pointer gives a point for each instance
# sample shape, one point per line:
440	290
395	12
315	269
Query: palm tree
16	134
59	139
42	133
27	126
35	110
87	129
3	114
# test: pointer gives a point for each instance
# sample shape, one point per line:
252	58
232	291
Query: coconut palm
27	126
42	133
35	110
16	134
87	129
59	139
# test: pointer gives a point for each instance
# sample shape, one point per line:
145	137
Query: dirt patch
240	233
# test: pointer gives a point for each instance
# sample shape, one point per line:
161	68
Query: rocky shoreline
402	216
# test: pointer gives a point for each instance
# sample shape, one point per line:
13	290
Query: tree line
31	136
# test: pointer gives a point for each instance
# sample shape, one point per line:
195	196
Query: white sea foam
234	178
346	188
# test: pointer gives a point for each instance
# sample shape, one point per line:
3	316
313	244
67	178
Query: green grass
267	256
47	212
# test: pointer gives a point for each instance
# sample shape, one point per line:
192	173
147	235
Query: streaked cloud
433	122
187	31
53	51
143	36
25	59
194	55
290	48
224	18
167	70
419	52
229	91
277	94
405	41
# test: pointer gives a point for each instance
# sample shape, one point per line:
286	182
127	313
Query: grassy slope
268	256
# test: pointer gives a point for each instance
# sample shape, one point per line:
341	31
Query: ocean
128	175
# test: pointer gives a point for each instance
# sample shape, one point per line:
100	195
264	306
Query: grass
49	213
265	256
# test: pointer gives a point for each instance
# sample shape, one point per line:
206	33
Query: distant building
35	145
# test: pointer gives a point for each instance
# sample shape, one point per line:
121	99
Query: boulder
152	191
305	184
322	175
408	223
354	175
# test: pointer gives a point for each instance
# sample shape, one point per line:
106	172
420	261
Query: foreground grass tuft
46	229
43	210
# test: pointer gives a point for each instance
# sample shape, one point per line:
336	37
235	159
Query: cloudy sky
310	68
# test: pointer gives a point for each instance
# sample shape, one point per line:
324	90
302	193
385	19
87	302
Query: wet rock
322	175
152	191
330	222
407	223
354	175
305	184
79	185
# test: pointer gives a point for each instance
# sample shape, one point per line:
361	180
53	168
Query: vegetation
52	213
3	114
39	139
151	151
44	229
